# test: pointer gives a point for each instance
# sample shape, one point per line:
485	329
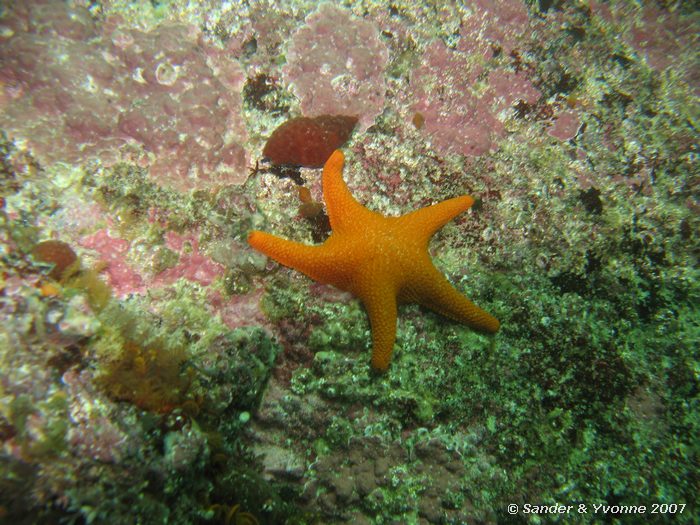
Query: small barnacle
166	73
137	75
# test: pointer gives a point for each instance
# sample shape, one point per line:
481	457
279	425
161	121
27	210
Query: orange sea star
382	260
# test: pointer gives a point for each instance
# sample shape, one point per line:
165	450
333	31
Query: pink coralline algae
114	253
459	118
335	64
125	279
73	90
565	126
463	92
494	25
192	266
663	37
668	39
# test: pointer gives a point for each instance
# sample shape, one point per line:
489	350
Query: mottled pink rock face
565	126
495	24
453	118
457	118
335	64
663	37
463	92
113	251
125	278
193	265
74	91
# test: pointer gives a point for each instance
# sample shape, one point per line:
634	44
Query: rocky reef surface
156	369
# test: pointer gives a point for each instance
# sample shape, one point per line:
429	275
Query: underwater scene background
156	369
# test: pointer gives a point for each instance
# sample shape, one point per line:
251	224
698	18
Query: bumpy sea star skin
382	260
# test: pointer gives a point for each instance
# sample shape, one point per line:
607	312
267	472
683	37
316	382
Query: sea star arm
380	303
426	221
313	261
435	292
343	210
